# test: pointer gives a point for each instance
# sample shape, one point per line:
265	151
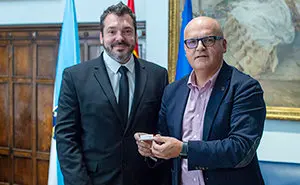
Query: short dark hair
119	9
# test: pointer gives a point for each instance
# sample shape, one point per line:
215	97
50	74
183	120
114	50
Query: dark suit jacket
94	146
233	126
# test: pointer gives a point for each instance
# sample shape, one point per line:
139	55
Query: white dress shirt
112	68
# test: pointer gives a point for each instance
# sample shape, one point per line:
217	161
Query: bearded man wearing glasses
211	121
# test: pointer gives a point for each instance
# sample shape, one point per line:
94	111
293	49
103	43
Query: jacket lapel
215	99
140	83
181	98
102	77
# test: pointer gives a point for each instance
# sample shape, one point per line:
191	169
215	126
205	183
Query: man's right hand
144	147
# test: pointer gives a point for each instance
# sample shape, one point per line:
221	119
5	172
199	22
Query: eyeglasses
206	41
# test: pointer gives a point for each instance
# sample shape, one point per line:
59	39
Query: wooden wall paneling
44	117
83	48
28	58
42	172
89	49
5	160
22	171
34	54
4	115
4	55
94	49
5	169
91	44
22	58
11	108
23	68
46	59
46	67
47	51
22	116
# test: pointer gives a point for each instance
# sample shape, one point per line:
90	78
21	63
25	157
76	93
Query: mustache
120	43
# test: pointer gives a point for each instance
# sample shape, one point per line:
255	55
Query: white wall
157	31
51	11
281	139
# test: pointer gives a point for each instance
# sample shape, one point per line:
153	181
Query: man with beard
102	103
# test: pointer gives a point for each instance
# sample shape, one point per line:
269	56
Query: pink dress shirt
192	124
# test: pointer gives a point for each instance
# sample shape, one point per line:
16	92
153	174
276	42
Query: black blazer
93	145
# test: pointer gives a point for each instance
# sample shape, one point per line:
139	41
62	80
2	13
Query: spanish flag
130	4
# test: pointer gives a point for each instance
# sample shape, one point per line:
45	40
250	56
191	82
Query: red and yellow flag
130	4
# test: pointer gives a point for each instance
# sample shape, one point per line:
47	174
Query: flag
130	4
68	55
183	67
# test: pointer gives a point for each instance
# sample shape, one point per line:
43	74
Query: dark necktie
124	93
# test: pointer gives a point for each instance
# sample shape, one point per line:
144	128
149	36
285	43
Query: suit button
124	165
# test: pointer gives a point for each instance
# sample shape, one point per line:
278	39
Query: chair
280	173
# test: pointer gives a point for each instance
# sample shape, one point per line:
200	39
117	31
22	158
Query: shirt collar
210	82
114	66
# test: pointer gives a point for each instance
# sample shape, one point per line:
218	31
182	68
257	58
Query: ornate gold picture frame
280	105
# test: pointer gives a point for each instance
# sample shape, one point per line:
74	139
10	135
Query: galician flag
68	55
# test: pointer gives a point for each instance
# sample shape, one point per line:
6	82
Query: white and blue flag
68	55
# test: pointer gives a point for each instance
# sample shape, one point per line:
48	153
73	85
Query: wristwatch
184	150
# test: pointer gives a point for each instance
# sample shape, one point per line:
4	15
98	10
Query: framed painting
263	40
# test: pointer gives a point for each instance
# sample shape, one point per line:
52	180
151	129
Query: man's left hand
166	147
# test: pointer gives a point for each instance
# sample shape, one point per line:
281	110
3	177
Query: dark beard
121	59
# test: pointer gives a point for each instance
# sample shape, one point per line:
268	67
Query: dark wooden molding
57	26
44	27
83	28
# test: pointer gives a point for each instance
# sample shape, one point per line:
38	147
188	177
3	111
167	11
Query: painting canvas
263	41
